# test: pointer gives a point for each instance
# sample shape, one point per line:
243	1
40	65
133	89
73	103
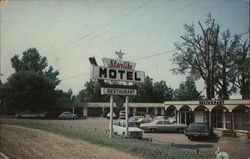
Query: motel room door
187	117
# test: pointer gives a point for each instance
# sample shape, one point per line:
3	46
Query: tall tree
211	55
197	53
33	84
225	71
242	67
187	91
33	61
30	90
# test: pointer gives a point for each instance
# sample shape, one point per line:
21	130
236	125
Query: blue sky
68	32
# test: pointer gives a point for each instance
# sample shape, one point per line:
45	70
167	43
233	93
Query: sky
68	32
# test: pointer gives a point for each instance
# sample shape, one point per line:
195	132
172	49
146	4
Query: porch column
232	120
134	110
185	118
147	110
210	118
155	111
224	119
103	115
176	116
179	117
162	111
84	111
73	110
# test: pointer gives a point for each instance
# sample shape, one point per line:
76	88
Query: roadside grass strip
144	149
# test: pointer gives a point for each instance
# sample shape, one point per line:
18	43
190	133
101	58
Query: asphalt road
237	147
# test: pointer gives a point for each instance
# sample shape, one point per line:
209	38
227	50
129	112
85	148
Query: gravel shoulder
21	142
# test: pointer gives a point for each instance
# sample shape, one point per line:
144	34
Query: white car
163	126
114	116
133	131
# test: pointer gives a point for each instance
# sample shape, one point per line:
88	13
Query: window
166	122
159	122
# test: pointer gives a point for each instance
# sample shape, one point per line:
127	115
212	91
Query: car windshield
130	124
197	126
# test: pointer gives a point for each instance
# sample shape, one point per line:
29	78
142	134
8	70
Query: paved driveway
238	148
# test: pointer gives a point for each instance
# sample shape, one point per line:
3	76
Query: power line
140	58
104	26
74	76
163	53
124	33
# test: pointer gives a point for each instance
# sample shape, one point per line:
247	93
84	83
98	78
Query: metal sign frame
126	73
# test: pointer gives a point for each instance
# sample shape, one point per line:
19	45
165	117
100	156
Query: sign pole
111	116
126	116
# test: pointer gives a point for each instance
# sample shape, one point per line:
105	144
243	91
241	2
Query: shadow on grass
193	146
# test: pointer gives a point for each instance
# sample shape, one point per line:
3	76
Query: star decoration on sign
119	54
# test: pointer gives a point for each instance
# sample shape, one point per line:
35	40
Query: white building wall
199	116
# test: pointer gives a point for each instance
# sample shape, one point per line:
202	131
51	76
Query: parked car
163	126
122	114
30	115
114	116
67	115
142	120
135	118
195	130
133	131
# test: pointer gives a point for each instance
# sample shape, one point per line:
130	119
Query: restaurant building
226	114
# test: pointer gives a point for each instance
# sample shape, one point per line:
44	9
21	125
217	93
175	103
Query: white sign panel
118	91
115	74
118	63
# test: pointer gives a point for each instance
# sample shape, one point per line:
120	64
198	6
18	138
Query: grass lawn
144	149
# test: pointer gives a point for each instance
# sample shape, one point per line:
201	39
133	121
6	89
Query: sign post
121	72
126	109
111	116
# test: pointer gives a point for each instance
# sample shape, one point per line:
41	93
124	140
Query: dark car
199	130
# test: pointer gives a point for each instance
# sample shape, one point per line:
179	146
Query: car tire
123	134
179	130
74	117
19	117
153	130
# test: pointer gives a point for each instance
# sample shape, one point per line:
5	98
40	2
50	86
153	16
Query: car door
168	127
160	126
67	115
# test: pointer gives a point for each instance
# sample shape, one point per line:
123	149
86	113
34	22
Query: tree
33	61
148	91
225	71
198	52
242	67
187	91
209	55
145	91
63	98
92	93
162	92
32	86
30	90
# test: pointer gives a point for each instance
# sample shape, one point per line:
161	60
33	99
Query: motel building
225	114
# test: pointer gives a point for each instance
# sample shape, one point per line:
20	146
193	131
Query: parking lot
237	147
